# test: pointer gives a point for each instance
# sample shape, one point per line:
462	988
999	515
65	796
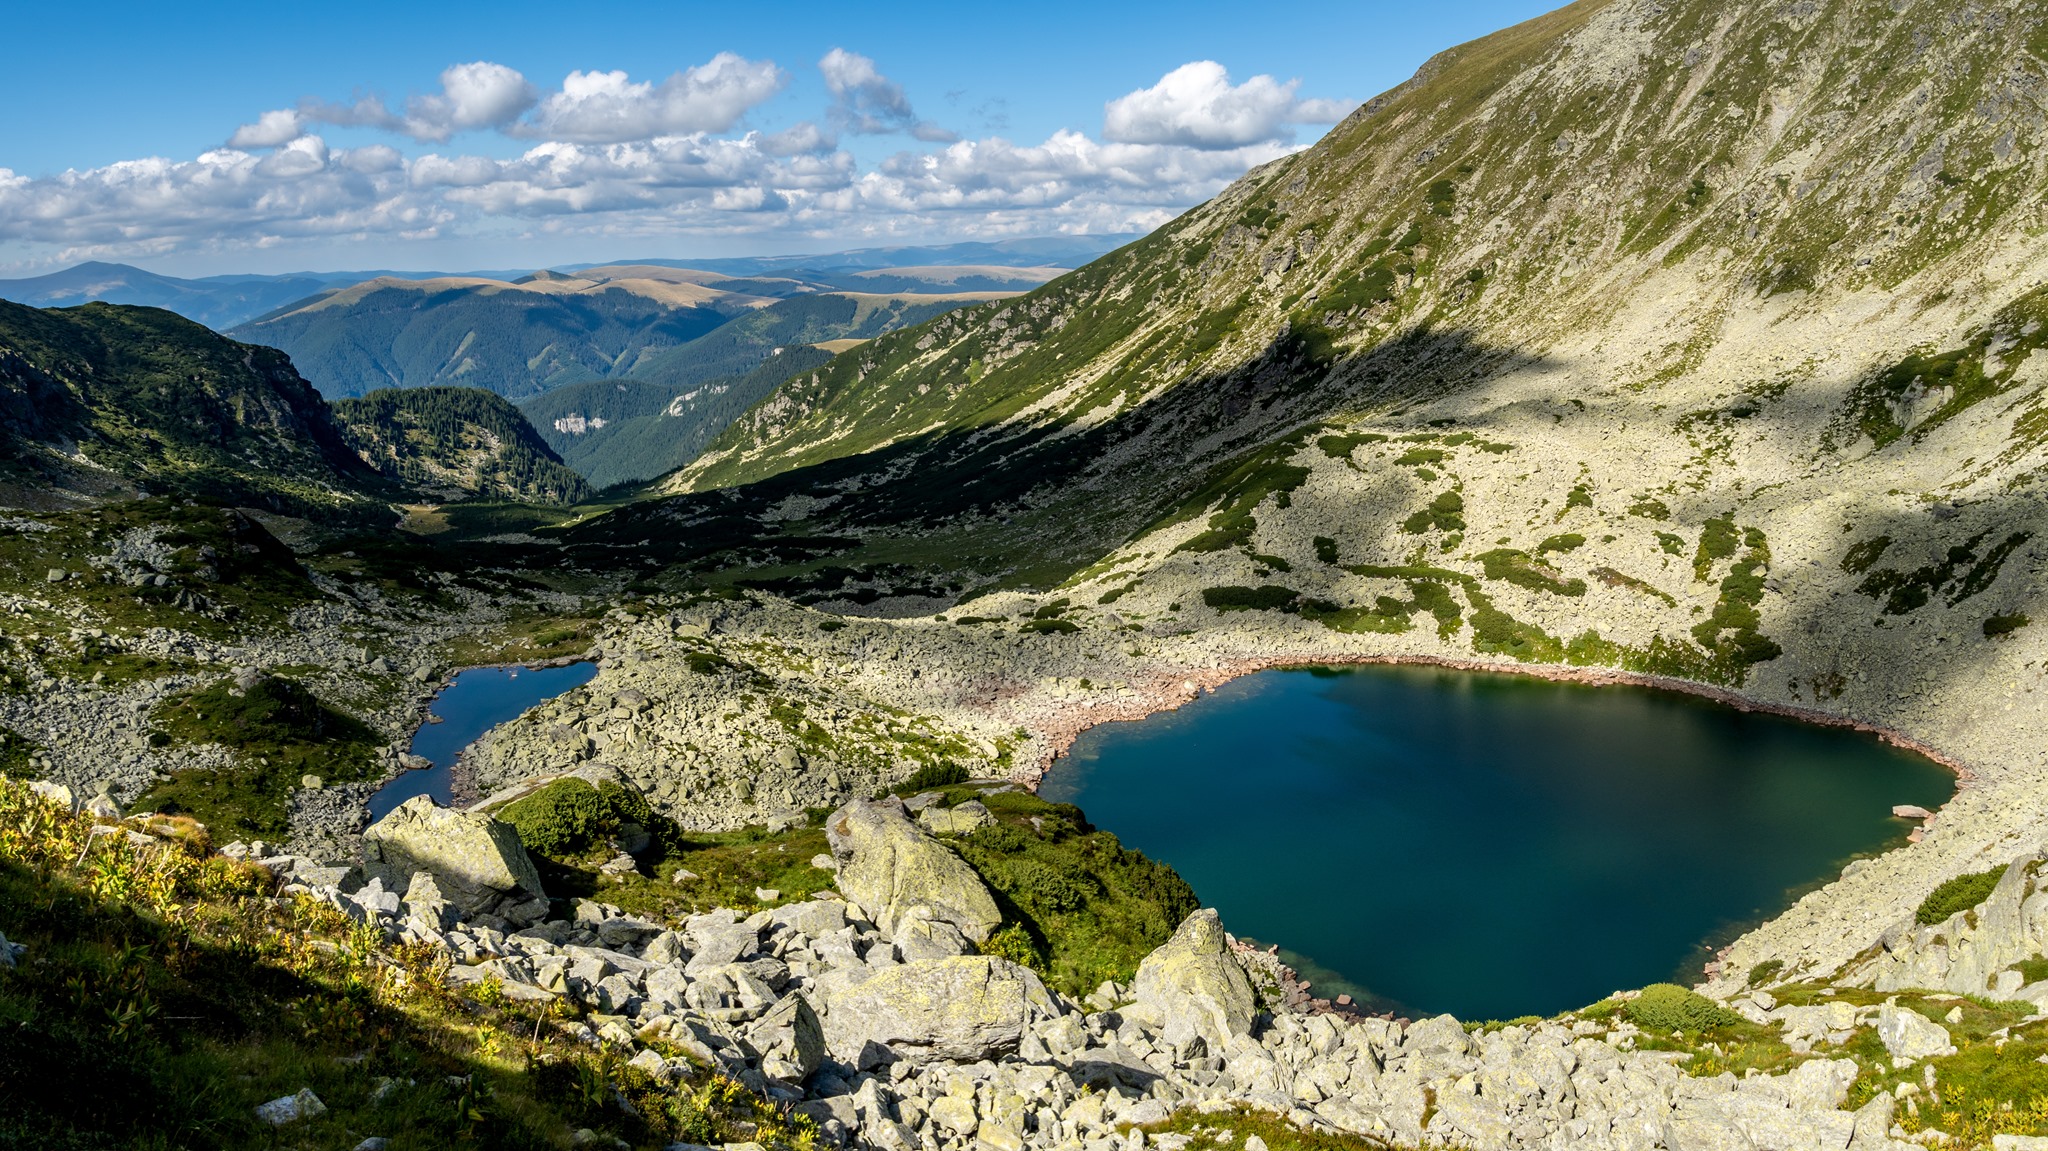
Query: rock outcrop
1976	951
477	863
1193	987
962	1009
900	874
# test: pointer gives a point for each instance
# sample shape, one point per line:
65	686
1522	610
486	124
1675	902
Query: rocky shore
868	1010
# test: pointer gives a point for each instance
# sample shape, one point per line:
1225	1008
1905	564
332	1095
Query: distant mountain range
627	369
222	302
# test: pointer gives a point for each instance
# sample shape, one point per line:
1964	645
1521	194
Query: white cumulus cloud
270	129
1197	106
620	161
608	107
867	103
473	96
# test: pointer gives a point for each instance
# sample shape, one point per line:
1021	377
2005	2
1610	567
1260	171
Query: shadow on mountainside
1039	501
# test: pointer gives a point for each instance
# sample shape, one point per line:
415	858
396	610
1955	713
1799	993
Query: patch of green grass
1958	894
1089	908
1962	571
1763	973
1341	447
1718	540
1495	632
1650	509
1565	542
1326	549
1444	513
1050	627
181	987
1208	1131
277	730
1862	555
1520	569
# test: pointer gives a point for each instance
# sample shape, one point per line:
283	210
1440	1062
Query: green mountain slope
105	399
454	443
676	400
627	431
1608	168
514	339
1599	341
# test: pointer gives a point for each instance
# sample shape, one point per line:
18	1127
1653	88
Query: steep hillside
1667	217
104	399
674	401
627	431
516	339
455	443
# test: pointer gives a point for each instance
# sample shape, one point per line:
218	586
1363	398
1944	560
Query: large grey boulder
477	863
1193	986
790	1039
965	1008
1909	1035
897	872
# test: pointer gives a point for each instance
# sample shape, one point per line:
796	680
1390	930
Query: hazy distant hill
1043	251
515	338
220	302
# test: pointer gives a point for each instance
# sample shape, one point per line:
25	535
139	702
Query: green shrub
1050	627
1958	894
1765	972
1052	890
563	818
934	775
1326	549
569	817
706	663
1667	1007
1999	625
1016	945
1271	597
1444	513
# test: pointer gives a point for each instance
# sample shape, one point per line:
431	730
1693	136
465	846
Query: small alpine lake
1490	845
475	701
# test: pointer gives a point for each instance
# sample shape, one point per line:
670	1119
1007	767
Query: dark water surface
474	702
1489	845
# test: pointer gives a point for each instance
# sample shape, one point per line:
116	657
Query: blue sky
196	139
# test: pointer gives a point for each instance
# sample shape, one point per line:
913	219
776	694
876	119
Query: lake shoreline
1061	724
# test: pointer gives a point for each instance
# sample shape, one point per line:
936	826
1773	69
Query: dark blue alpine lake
1489	845
475	701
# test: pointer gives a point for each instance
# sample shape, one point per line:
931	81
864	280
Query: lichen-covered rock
956	820
477	863
897	872
1908	1034
965	1008
1195	987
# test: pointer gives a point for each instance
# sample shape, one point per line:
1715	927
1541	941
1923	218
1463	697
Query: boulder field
870	1010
